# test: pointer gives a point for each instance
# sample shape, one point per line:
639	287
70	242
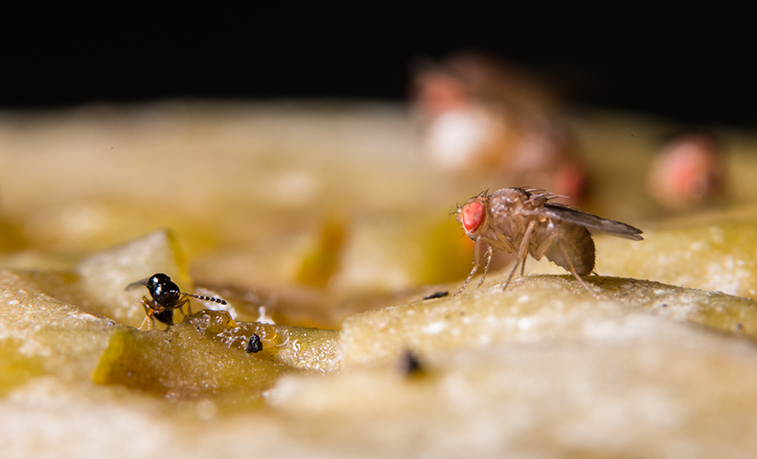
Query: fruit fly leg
522	253
575	274
541	249
512	273
489	253
475	265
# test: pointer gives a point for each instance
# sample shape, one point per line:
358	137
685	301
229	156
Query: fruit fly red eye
472	216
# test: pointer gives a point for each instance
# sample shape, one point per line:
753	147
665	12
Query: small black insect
254	345
436	295
166	297
411	364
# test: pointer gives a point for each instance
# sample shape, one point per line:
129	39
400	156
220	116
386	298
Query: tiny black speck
254	344
411	364
435	295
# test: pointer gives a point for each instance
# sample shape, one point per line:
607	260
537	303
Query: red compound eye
472	216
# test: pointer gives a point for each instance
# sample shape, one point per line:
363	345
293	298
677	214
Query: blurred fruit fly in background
479	117
524	221
687	172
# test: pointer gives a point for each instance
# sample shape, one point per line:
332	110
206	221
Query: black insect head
163	290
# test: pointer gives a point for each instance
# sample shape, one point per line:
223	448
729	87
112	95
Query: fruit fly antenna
206	298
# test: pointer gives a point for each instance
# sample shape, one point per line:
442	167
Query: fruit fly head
472	215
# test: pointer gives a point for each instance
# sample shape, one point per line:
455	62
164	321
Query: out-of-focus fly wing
136	284
589	221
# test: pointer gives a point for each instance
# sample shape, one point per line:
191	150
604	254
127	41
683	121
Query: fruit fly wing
138	283
590	221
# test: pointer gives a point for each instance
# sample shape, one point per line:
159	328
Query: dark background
692	65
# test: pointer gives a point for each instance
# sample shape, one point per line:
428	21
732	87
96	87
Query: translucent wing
138	283
589	221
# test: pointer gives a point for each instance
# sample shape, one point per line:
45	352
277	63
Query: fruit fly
524	221
166	297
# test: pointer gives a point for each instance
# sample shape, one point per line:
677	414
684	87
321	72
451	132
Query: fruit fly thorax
518	198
